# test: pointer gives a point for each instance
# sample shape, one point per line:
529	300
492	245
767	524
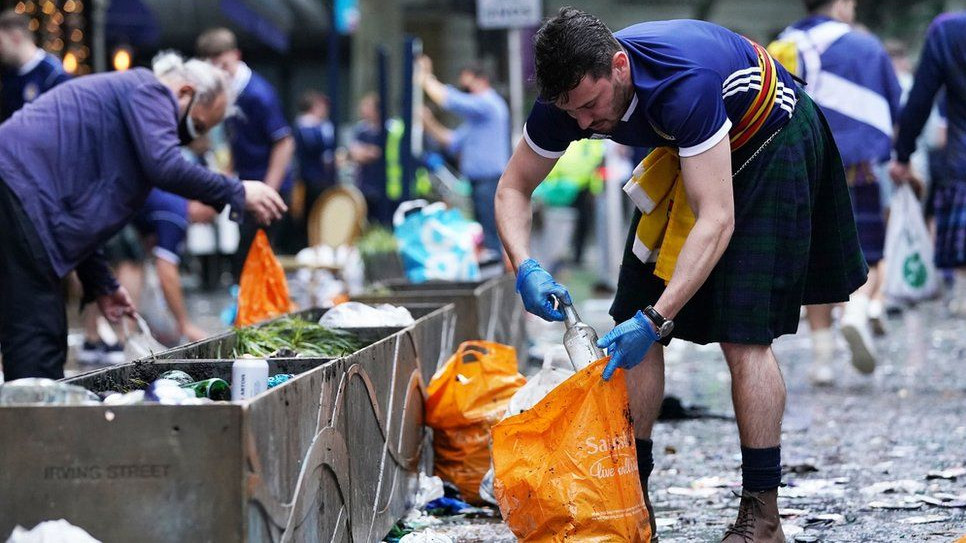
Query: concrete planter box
330	455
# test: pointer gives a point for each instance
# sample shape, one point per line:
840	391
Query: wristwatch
663	326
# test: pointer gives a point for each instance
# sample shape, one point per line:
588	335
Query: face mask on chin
187	132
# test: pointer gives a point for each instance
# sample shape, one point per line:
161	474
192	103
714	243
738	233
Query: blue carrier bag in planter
436	243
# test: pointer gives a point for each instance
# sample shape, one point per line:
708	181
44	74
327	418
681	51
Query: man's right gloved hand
536	286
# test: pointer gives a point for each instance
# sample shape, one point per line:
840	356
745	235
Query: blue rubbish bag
436	243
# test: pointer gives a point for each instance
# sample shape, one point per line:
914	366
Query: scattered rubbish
944	500
827	519
359	315
806	488
445	507
666	522
430	488
800	468
426	537
51	531
713	482
785	513
897	505
928	519
906	486
950	474
673	409
278	379
418	520
805	538
792	530
693	492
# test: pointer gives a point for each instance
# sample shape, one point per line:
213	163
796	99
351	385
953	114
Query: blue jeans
484	194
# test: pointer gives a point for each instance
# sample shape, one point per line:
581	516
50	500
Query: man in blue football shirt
850	76
751	160
261	139
27	71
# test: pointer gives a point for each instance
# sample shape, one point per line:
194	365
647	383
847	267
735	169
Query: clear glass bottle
580	340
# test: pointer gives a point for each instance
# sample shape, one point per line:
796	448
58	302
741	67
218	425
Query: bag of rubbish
51	531
567	467
911	274
436	243
464	399
359	315
263	291
556	369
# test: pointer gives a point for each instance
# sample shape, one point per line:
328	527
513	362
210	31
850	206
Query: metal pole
382	63
99	35
515	64
406	145
333	68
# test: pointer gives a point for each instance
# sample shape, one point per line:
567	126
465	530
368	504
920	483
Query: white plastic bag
359	315
911	274
51	531
140	343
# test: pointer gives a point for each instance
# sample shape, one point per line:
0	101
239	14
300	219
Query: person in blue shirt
851	77
941	66
75	166
315	148
261	139
482	141
759	173
27	71
367	151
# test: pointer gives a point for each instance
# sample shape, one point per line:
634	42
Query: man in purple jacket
75	166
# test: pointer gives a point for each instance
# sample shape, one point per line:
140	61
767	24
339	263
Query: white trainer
855	329
820	373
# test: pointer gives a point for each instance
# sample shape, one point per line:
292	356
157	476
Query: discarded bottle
177	375
213	389
249	378
36	390
580	340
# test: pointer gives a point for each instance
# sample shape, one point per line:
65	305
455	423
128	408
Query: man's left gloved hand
627	343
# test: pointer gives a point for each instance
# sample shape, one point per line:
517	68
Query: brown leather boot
758	520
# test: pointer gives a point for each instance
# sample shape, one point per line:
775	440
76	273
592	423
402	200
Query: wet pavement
871	459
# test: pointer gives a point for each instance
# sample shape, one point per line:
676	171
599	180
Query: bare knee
739	356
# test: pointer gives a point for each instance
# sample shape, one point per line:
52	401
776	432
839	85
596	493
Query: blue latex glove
627	343
535	286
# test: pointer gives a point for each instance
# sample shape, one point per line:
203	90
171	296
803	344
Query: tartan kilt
794	243
950	209
867	207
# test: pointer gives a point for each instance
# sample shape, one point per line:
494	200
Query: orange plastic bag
466	397
566	469
263	291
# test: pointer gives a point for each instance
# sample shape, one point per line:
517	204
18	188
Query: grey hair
208	80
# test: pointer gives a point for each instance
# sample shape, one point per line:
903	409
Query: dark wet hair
569	46
477	69
814	5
